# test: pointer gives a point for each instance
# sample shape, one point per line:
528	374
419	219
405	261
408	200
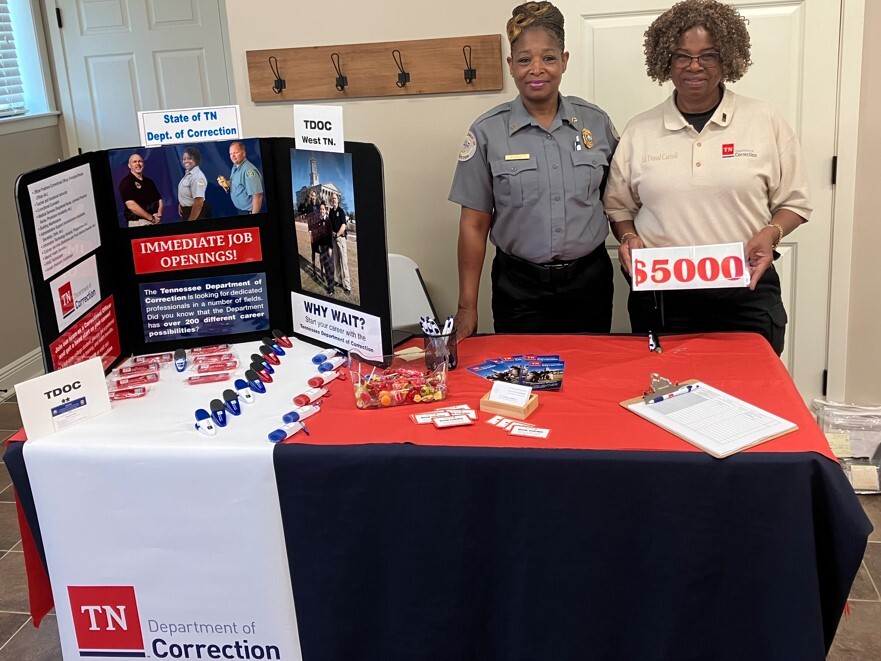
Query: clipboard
710	419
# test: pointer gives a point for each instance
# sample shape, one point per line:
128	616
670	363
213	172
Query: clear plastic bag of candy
393	381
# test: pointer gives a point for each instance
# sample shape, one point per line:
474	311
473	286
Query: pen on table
681	391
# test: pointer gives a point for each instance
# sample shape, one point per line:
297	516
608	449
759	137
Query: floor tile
872	560
872	505
32	644
13	584
9	624
9	535
863	588
9	417
859	635
5	480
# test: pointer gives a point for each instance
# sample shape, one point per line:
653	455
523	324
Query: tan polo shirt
721	185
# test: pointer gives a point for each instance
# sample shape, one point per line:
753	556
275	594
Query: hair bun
536	15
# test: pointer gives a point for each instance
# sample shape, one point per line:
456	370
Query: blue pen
279	435
327	354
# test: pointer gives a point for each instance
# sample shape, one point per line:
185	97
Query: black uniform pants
711	310
562	297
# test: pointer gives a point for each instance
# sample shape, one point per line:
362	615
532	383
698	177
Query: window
22	81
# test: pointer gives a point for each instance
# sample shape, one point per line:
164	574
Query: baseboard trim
26	367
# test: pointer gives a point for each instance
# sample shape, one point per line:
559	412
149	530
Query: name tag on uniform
516	157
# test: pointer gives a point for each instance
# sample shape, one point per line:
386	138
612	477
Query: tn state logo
65	295
728	150
106	621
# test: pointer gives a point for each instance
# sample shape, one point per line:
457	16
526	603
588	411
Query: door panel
125	56
795	58
182	79
113	88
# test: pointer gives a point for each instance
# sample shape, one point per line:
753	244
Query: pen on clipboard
691	387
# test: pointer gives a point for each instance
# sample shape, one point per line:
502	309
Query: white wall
26	151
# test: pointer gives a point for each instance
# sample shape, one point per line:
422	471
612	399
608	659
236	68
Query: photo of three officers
144	200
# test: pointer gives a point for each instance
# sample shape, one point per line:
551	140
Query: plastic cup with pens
439	343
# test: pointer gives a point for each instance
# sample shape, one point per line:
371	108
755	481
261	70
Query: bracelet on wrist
624	236
779	238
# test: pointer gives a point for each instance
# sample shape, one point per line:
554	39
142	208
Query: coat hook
341	80
278	85
403	77
470	73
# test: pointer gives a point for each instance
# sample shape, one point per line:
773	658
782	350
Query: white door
795	56
124	56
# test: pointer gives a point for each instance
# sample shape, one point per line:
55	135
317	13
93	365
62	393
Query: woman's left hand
759	254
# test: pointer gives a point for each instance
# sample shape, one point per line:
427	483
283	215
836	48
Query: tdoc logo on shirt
106	620
728	150
65	295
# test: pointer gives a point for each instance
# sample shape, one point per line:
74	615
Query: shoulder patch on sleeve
469	147
250	173
201	182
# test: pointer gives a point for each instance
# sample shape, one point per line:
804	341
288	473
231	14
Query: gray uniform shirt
542	187
192	185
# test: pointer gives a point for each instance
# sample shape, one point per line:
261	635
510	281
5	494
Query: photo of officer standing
139	194
245	184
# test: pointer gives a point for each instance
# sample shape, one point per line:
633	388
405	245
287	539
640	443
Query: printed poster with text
336	325
65	218
204	307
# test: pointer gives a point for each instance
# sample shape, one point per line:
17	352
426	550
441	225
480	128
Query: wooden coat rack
393	68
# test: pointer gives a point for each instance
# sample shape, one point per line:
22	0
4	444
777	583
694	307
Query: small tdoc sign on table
689	267
62	398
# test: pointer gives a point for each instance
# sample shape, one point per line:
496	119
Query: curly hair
531	15
726	27
195	154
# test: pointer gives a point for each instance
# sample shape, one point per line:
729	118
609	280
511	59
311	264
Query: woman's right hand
465	323
632	242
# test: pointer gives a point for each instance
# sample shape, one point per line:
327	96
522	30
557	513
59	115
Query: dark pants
711	310
203	214
325	256
571	297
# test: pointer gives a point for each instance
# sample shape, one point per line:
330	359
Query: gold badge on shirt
587	138
516	157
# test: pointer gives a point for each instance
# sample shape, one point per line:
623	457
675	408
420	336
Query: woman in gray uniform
530	176
191	202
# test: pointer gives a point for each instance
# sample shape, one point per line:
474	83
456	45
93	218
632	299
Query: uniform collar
520	117
674	121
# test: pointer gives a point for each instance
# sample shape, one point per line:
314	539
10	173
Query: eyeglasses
706	60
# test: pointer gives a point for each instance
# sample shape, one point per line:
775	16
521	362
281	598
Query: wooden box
508	410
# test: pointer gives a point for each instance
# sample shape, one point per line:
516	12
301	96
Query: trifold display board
123	259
